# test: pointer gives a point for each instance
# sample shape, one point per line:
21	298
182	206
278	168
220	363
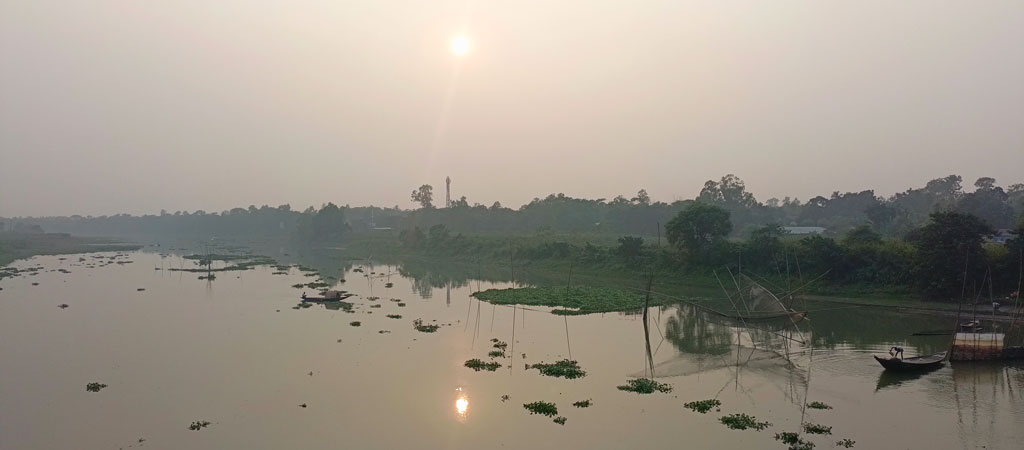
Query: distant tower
447	192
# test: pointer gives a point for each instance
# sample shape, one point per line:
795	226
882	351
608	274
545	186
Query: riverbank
15	246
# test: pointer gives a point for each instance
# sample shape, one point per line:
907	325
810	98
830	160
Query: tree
630	248
730	191
988	202
862	235
943	246
424	196
698	227
642	197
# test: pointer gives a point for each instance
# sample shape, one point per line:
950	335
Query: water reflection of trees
690	331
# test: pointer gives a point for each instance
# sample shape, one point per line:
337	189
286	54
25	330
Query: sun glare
460	45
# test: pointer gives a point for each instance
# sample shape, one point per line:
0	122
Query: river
173	350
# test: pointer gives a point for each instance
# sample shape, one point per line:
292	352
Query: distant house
1002	236
804	230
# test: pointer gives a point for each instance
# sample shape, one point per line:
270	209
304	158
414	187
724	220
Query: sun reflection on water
461	403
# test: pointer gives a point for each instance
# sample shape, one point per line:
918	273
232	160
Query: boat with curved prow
917	363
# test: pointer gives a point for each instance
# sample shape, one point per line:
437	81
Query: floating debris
645	386
140	289
545	408
199	425
794	441
703	406
35	284
505	398
376	305
298	286
496	354
401	305
583	403
499	344
94	387
394	316
743	421
304	405
813	428
355	323
384	331
63	305
478	365
559	420
818	405
387	285
565	368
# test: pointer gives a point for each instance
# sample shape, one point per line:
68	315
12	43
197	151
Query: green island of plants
428	328
94	387
703	406
645	386
794	441
813	428
818	405
199	425
562	369
743	421
583	403
478	365
545	408
572	301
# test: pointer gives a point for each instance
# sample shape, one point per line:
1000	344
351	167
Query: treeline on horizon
927	238
638	215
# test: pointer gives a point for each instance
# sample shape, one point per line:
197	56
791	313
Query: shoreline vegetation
22	245
927	248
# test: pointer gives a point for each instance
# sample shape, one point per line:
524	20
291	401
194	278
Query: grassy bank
14	246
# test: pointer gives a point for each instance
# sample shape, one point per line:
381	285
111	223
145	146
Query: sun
461	45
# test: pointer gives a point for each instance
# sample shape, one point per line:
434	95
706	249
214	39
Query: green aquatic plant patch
645	386
703	406
94	387
818	405
424	328
544	408
199	425
574	300
562	369
479	365
814	428
743	421
583	403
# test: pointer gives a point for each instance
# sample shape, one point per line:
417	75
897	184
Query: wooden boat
917	363
330	296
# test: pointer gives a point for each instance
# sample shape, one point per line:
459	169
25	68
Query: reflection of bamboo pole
565	318
647	331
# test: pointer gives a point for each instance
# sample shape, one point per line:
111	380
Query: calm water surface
234	352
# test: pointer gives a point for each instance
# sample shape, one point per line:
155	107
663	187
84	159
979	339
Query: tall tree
424	196
943	246
698	227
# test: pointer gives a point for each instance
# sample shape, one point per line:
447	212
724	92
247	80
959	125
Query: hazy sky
137	106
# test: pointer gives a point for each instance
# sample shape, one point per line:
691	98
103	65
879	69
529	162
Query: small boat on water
917	363
329	296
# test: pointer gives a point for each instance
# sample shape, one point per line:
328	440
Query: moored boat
917	363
